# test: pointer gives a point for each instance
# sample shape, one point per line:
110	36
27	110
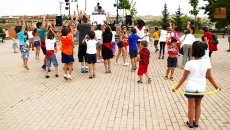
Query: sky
41	7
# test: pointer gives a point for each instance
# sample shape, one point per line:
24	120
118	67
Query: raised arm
170	26
23	23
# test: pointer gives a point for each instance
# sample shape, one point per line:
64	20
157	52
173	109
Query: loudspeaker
128	19
59	21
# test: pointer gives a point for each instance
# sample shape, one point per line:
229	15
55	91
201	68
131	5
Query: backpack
215	39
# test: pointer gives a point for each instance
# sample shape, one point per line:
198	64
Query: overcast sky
39	7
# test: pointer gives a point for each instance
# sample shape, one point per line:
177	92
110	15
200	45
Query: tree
165	13
195	10
177	17
76	5
133	9
210	7
125	4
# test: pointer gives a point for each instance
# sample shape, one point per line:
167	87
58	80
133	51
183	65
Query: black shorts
82	57
132	53
172	62
120	44
43	50
194	96
156	42
91	58
106	53
67	59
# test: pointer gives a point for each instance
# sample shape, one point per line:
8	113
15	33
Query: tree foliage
195	10
165	13
125	4
133	9
177	17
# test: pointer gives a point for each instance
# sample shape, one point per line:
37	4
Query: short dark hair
38	24
173	39
156	28
205	45
35	30
113	28
164	27
99	7
144	43
91	34
64	31
205	29
98	27
84	19
18	29
134	31
178	29
198	49
50	35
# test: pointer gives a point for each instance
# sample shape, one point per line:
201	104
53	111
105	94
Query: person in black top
107	52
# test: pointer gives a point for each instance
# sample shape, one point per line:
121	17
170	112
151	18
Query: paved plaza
113	101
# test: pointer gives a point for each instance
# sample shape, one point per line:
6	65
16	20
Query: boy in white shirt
91	52
50	53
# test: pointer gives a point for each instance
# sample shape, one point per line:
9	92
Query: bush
1	30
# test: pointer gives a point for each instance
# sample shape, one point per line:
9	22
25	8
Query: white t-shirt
50	44
91	46
187	39
163	36
98	34
206	55
114	35
196	80
141	32
146	37
30	35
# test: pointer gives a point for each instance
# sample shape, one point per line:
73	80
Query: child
195	73
206	52
107	52
113	43
20	31
172	59
67	50
156	39
50	54
143	58
14	45
98	34
36	44
133	39
146	38
91	52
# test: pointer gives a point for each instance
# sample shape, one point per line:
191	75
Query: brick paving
113	101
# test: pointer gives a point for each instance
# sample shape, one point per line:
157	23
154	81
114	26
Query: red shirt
144	56
212	47
173	50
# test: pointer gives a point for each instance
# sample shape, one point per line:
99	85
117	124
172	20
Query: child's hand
218	88
174	89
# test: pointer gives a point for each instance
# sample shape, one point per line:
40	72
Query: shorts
20	46
172	62
53	60
120	45
142	70
106	53
132	53
31	40
99	42
24	51
91	58
156	42
15	46
125	44
194	96
67	59
82	57
36	43
229	38
43	50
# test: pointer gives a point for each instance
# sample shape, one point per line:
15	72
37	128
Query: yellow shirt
156	35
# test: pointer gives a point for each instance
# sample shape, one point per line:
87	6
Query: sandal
166	77
171	78
94	75
90	76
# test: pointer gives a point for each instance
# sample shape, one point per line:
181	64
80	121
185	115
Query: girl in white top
113	42
98	35
196	72
162	39
30	38
91	51
146	34
140	28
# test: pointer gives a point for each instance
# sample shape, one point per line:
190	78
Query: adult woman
209	40
163	38
140	27
122	38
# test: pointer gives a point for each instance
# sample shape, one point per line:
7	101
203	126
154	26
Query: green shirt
41	33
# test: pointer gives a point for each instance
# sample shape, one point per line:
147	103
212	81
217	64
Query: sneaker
228	50
47	77
44	67
94	74
69	77
139	82
126	64
56	75
117	63
149	80
82	70
86	70
195	126
159	57
156	50
189	127
65	77
26	67
162	57
108	70
90	76
133	68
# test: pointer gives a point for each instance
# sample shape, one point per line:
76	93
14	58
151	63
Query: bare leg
106	64
167	71
133	62
90	68
141	78
197	110
191	110
124	53
65	68
172	71
147	75
109	63
70	68
118	54
56	69
47	69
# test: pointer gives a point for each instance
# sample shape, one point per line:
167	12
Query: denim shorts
193	96
36	43
172	62
132	53
53	60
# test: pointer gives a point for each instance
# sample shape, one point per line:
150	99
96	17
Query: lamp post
117	13
85	4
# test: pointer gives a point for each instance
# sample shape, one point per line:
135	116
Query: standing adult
187	41
140	27
228	29
208	38
162	39
96	7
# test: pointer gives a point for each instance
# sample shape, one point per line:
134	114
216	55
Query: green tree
165	13
125	4
195	10
133	9
177	17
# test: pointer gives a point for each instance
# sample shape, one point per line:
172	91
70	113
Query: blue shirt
133	39
21	38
